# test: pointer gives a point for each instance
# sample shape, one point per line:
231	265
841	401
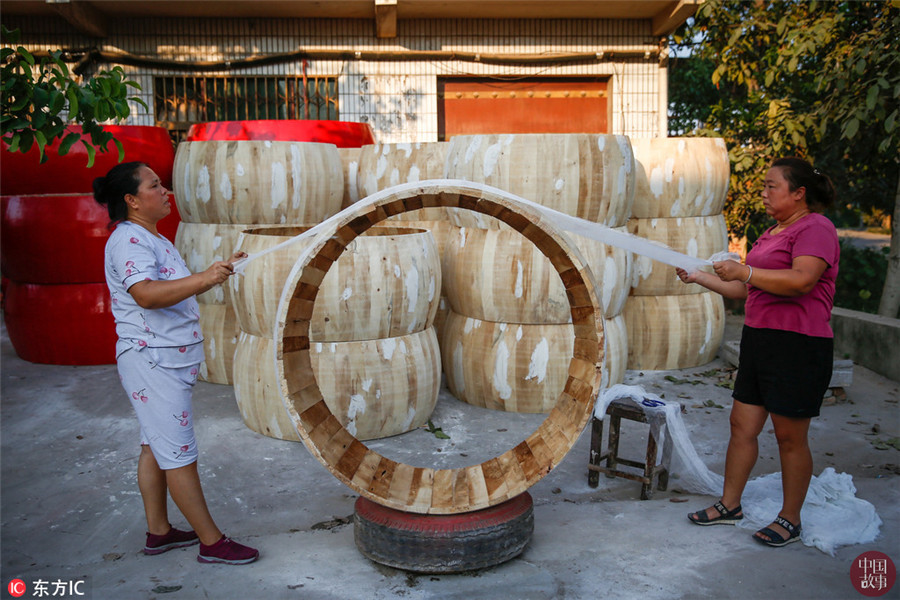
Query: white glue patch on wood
501	368
297	176
412	290
537	368
491	158
388	345
345	295
278	189
225	187
520	275
203	190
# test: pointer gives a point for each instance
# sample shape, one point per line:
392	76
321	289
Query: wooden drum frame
419	489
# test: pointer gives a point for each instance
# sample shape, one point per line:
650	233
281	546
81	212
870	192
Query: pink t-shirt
813	235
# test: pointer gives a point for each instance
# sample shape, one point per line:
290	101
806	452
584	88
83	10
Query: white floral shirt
171	334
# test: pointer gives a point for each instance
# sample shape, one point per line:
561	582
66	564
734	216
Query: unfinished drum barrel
699	237
679	177
674	332
375	351
590	176
257	182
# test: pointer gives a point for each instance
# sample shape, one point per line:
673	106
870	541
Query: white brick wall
399	99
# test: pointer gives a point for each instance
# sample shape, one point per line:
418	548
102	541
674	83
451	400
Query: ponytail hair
798	172
111	190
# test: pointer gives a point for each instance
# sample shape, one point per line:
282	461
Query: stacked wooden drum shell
382	166
681	188
508	332
373	347
225	186
56	302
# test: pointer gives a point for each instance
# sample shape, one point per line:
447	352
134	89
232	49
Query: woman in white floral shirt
159	351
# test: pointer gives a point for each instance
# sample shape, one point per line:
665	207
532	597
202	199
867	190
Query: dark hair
110	190
799	173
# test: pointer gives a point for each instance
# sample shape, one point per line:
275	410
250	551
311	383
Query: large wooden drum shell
674	332
680	177
377	388
506	366
590	176
220	335
386	284
700	237
257	182
498	275
202	244
384	165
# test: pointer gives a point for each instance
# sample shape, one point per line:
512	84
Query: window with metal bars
182	100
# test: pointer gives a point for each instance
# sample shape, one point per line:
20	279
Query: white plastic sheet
832	514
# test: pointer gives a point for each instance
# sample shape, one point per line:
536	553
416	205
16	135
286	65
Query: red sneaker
227	551
157	544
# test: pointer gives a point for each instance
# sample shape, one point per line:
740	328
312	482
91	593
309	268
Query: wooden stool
618	410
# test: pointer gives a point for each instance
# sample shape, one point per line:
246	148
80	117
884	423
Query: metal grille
180	101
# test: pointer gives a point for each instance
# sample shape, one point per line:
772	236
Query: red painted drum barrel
53	233
343	134
23	173
58	238
64	324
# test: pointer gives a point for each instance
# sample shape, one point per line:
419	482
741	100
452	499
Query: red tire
68	174
343	134
60	324
444	543
59	238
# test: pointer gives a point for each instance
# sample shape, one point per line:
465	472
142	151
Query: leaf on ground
678	381
437	431
881	444
165	589
712	404
727	384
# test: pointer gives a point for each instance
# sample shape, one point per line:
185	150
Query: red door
469	106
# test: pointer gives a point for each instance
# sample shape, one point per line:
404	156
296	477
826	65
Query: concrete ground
71	509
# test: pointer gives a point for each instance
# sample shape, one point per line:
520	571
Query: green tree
814	79
38	99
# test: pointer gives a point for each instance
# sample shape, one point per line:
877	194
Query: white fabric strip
588	229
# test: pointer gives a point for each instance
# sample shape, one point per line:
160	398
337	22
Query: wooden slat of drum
477	487
513	475
337	445
220	332
350	164
494	479
577	394
531	468
362	476
351	459
380	483
420	488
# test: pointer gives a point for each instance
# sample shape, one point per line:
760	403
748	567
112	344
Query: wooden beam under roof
669	19
83	16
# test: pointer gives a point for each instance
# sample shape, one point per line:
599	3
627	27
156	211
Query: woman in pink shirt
787	343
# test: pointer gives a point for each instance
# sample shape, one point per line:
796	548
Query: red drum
67	324
343	134
59	238
68	174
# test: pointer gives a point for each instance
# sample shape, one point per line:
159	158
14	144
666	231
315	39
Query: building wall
398	98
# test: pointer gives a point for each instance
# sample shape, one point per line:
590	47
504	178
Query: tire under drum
443	543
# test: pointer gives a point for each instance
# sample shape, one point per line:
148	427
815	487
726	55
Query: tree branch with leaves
40	99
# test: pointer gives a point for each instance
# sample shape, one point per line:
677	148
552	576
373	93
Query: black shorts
786	372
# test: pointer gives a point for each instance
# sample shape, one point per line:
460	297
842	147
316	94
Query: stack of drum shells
508	334
373	348
57	306
225	186
680	193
